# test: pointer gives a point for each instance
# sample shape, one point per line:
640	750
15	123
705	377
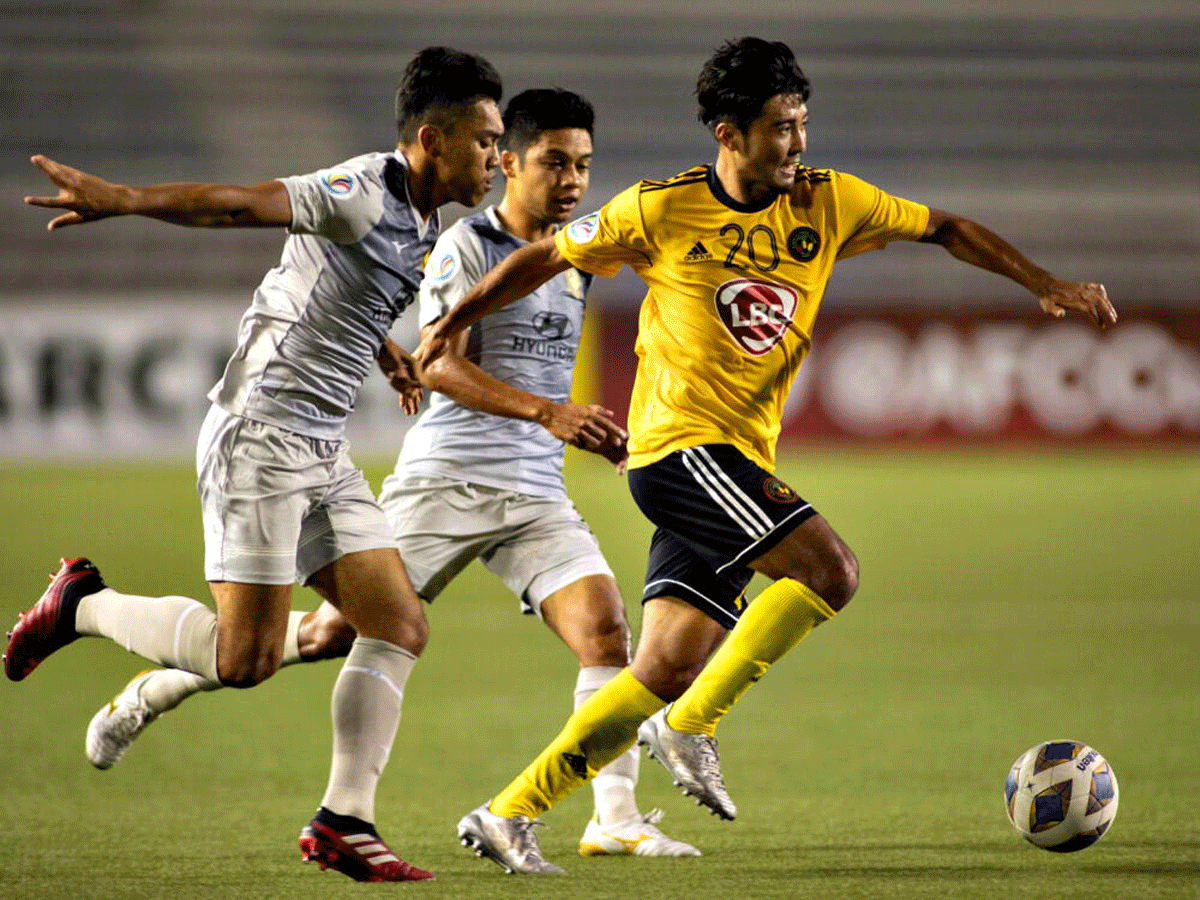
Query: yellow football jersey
733	292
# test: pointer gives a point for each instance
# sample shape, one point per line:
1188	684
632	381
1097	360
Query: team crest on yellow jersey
756	313
804	243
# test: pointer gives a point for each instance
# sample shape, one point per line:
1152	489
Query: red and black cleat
363	855
49	624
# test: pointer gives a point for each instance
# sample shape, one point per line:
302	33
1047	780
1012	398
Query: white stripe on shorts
720	611
731	498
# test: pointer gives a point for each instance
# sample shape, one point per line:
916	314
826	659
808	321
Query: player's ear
509	163
431	139
729	136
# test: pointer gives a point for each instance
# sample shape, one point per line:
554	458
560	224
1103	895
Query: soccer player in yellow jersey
736	256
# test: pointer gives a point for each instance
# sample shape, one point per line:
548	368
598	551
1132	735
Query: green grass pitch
1007	598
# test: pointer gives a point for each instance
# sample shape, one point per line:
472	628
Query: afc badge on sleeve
581	231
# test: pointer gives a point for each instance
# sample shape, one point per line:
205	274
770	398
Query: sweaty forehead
481	117
571	142
782	107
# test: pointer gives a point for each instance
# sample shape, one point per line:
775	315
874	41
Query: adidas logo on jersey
698	253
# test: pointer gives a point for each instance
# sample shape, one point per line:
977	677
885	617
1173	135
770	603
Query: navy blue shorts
715	511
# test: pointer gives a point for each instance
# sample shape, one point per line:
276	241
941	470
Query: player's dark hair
438	86
543	109
741	76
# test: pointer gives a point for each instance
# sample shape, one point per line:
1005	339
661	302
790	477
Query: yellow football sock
774	622
599	731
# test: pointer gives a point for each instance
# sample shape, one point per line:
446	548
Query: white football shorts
535	545
278	506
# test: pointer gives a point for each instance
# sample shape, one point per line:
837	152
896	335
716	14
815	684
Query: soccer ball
1061	795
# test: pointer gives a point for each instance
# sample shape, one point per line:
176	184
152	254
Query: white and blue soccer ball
1061	795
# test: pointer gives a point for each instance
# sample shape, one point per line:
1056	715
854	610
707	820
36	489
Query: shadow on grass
1190	869
988	860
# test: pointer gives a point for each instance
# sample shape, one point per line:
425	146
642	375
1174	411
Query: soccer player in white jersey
281	500
480	474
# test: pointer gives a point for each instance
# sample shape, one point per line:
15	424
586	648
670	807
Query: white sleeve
340	204
455	264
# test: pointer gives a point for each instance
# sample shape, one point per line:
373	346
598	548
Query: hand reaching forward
589	427
1089	299
615	450
87	197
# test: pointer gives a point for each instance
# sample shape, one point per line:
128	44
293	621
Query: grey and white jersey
351	264
530	344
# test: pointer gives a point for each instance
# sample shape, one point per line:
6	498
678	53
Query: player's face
553	176
469	156
773	143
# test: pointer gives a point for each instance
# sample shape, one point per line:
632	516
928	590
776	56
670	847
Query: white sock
167	688
177	632
291	640
366	712
613	786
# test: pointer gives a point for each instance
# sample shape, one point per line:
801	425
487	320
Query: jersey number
761	247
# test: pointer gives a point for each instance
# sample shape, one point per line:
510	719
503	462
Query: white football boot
117	724
638	836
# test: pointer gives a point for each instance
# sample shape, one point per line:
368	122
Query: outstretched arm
520	274
587	426
88	199
974	244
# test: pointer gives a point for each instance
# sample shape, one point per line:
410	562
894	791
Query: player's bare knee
676	681
406	628
605	642
666	677
671	681
837	581
412	634
247	670
830	571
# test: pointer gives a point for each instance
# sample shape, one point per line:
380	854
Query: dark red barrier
904	375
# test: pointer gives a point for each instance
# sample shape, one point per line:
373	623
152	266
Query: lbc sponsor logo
756	313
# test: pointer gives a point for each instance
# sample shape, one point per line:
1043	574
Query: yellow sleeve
604	241
870	218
